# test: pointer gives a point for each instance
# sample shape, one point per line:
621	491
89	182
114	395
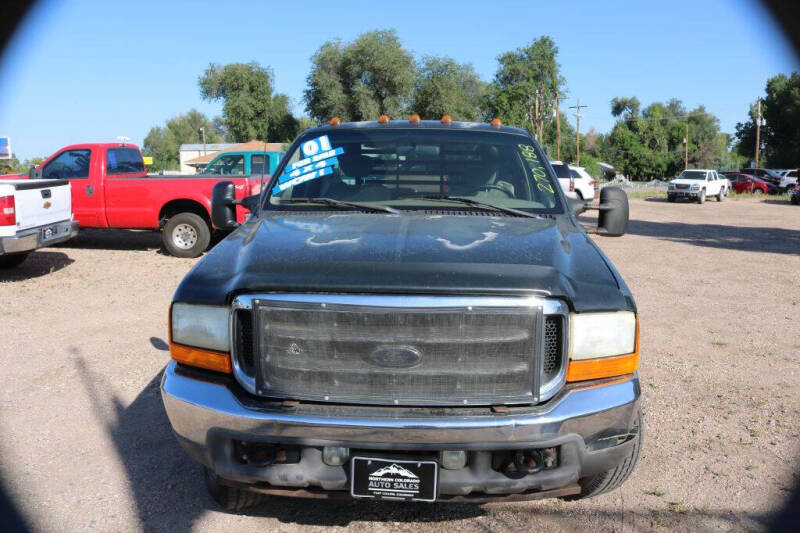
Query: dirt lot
85	443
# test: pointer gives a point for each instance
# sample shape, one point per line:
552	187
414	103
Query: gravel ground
85	443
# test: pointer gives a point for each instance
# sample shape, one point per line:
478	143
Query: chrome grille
399	350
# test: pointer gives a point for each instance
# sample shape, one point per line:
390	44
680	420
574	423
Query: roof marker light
414	119
383	119
335	121
446	119
496	123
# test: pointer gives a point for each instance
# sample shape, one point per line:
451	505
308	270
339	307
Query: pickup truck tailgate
41	202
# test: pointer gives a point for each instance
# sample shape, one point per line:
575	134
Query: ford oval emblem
396	356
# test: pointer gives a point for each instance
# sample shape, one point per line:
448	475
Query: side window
123	161
257	165
227	165
71	164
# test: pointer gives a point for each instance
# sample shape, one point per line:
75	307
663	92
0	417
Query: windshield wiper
473	203
342	204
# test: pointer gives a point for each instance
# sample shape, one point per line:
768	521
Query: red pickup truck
111	189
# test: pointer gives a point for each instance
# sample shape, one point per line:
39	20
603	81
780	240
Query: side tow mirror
223	205
614	212
35	173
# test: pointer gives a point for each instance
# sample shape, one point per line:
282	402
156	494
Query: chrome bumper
33	238
589	424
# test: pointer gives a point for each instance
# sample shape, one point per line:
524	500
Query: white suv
574	181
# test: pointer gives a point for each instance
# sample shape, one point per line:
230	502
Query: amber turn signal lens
414	119
604	367
383	119
335	121
446	119
496	123
208	359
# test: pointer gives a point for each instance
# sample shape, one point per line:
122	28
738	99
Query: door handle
89	190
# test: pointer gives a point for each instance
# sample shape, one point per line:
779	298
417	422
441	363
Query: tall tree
373	75
524	89
250	110
780	136
163	143
445	87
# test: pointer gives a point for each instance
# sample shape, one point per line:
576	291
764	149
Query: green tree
162	143
15	166
780	136
445	87
361	80
524	89
250	110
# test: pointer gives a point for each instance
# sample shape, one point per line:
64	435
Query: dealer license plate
49	232
393	479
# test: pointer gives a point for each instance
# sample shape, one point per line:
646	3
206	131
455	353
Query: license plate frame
394	479
49	232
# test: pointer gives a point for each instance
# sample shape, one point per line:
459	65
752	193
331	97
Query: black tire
231	498
579	195
670	198
186	235
758	192
12	260
721	195
611	479
701	197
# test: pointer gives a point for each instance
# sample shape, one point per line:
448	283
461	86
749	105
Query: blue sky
85	71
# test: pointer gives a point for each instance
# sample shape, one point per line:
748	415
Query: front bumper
592	427
33	238
683	193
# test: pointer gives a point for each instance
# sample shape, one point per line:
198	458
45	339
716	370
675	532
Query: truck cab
411	312
244	163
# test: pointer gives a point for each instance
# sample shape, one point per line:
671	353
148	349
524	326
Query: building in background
197	164
191	151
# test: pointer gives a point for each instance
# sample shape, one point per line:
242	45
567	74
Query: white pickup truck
697	185
33	214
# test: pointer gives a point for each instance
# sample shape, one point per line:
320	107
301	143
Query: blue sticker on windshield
302	179
286	176
320	156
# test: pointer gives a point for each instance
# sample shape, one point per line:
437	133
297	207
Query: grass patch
719	343
655	492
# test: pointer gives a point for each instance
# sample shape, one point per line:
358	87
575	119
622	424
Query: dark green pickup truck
412	311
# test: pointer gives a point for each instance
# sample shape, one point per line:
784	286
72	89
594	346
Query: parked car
565	179
110	189
583	183
744	183
243	163
765	174
33	215
697	185
794	195
364	333
788	181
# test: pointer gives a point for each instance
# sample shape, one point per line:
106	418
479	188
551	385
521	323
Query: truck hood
687	182
409	253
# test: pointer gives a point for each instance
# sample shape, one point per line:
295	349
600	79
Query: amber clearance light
446	119
605	367
383	119
208	359
335	121
414	119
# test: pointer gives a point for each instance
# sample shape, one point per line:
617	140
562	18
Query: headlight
602	345
695	187
200	336
671	185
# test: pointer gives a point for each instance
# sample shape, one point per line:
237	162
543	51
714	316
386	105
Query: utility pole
578	131
758	131
203	133
686	149
558	127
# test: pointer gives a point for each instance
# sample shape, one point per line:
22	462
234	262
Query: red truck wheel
186	235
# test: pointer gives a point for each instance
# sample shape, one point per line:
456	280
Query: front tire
186	235
721	195
611	479
701	197
758	192
12	260
670	198
231	498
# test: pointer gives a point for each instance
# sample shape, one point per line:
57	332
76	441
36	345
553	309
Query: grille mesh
552	345
244	340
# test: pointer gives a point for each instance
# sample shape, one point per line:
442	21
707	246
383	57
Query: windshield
395	167
692	175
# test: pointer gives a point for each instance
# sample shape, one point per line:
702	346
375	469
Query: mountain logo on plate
394	470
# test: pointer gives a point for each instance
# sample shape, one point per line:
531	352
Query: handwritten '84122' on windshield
539	175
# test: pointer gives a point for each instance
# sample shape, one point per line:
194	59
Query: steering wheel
490	187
